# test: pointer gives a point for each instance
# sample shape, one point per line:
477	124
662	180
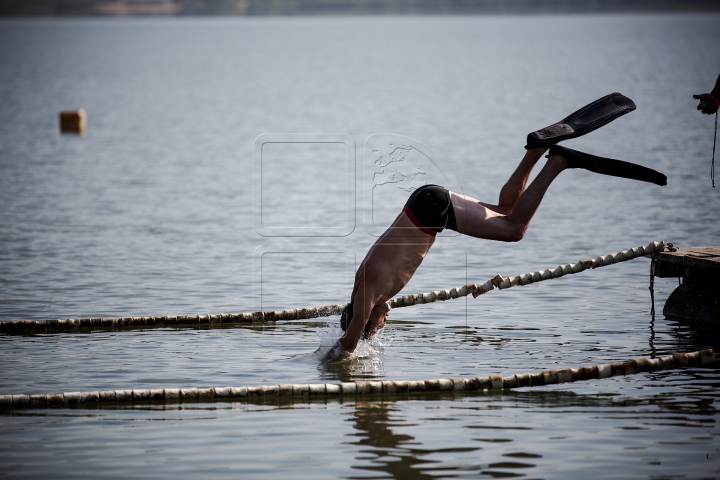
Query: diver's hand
709	102
336	353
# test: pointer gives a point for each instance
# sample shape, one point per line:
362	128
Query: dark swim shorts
430	209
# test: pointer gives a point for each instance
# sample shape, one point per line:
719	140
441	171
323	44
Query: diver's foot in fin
608	166
588	118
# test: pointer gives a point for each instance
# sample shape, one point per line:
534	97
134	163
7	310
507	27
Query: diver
398	252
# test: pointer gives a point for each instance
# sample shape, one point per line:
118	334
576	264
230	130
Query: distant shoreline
183	8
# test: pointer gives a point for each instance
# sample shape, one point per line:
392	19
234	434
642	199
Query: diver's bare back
392	261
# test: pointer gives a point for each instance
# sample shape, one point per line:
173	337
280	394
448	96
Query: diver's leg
529	201
515	185
475	219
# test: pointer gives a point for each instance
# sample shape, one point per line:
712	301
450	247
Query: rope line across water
473	289
357	389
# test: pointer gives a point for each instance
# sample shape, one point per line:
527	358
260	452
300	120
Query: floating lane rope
357	389
499	282
503	283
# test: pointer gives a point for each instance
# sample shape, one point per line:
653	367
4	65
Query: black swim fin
588	118
608	166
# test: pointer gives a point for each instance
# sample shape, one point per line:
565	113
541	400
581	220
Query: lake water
168	206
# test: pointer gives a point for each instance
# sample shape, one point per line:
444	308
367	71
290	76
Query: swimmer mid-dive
393	259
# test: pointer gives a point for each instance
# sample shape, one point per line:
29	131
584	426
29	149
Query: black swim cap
346	316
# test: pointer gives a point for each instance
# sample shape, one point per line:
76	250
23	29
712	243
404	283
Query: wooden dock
674	264
698	297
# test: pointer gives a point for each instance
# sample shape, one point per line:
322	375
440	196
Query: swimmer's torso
392	260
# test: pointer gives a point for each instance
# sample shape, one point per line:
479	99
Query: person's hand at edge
712	103
709	102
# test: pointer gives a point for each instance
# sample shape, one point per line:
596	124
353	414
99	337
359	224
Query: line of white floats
361	388
473	289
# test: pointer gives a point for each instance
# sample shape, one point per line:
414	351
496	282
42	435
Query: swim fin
608	166
588	118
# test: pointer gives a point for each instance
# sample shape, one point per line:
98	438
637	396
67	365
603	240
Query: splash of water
367	359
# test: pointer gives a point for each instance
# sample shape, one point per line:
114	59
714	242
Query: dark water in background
152	212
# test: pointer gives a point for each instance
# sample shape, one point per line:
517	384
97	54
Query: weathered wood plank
700	257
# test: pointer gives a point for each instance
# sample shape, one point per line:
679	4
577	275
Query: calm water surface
155	211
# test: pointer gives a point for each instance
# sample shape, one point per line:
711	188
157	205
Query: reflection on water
685	335
396	454
491	420
533	432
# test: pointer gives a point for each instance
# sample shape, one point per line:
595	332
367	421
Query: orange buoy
73	121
